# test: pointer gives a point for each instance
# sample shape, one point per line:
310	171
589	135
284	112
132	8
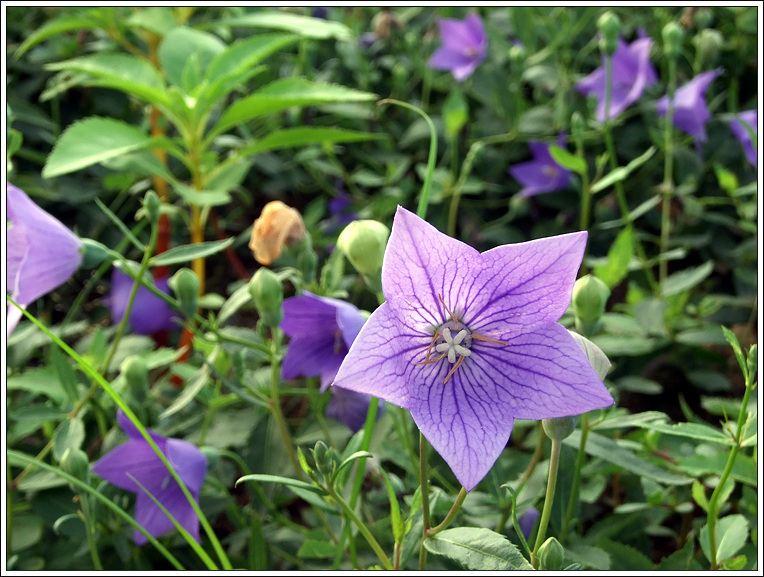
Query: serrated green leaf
731	535
680	560
183	43
624	557
686	279
291	137
622	172
470	548
38	381
691	430
735	564
90	141
246	53
568	160
743	470
607	449
303	25
283	94
618	257
188	252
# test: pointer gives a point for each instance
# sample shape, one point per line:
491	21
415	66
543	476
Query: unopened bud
703	18
93	253
151	204
268	293
560	428
590	296
551	555
363	242
673	35
517	54
324	459
185	285
75	462
136	373
307	261
609	26
752	362
708	42
277	226
577	126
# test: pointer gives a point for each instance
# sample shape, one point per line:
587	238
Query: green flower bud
307	261
517	54
577	126
673	35
703	18
75	462
752	362
93	253
151	204
609	26
363	242
551	555
136	373
560	428
708	43
268	293
324	459
590	296
185	285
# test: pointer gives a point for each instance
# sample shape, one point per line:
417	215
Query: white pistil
453	346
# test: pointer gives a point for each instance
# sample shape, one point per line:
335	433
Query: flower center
455	339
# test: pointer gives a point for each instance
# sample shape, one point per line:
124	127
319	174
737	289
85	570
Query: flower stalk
554	463
668	170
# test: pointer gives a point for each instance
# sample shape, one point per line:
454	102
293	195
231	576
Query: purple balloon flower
349	408
632	73
542	174
136	458
42	253
321	331
690	110
527	521
464	46
150	314
751	118
469	342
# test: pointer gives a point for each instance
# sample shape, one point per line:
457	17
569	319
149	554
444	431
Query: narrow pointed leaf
188	252
291	137
279	480
305	26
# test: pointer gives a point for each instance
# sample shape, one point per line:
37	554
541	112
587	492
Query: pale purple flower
42	253
690	110
136	458
542	174
150	314
321	330
348	407
527	521
469	342
464	46
632	73
751	118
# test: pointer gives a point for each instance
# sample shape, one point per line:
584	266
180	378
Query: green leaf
621	422
316	549
727	180
455	112
202	197
291	137
691	430
128	74
55	27
69	434
260	478
183	44
157	19
244	54
238	299
624	557
607	449
622	172
744	469
27	531
568	160
303	25
283	94
90	141
736	348
731	535
192	388
188	252
395	510
479	549
686	279
617	266
38	381
679	560
699	495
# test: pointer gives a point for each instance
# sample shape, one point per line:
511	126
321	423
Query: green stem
456	196
451	514
87	519
668	175
576	476
554	462
275	406
425	491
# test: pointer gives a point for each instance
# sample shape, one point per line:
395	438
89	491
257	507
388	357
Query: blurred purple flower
136	458
632	73
469	342
340	212
751	118
527	521
321	330
150	314
348	407
321	12
464	46
42	253
690	110
542	174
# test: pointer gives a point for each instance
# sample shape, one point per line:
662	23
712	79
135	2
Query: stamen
431	361
488	339
453	370
453	318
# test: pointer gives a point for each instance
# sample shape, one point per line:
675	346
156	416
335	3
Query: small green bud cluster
185	285
590	296
268	293
609	26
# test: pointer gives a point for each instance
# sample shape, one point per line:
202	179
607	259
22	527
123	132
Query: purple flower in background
464	46
542	174
632	73
42	253
751	118
690	110
321	330
469	342
136	458
348	407
150	314
527	521
340	211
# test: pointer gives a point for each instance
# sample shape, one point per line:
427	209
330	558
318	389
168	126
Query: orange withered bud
278	225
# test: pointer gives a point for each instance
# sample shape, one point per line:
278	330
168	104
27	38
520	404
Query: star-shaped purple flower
690	110
469	342
150	314
464	46
42	253
138	459
751	118
632	73
542	174
321	330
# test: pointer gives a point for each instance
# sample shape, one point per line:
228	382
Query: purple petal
154	520
461	34
528	284
749	117
527	521
690	110
189	462
150	314
348	407
312	356
134	458
43	252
